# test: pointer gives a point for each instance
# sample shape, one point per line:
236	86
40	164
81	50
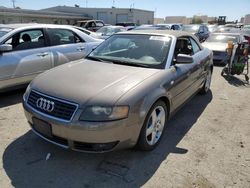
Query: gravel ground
206	144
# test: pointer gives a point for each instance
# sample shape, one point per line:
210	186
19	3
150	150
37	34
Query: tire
247	78
153	127
207	83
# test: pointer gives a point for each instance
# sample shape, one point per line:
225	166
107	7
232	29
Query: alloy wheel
155	125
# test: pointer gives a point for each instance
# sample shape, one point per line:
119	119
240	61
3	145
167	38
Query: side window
63	36
92	24
99	24
29	39
183	46
195	46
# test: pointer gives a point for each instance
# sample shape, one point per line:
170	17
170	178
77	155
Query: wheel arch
151	99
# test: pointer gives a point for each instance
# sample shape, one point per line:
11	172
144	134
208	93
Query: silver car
120	96
27	50
218	43
106	31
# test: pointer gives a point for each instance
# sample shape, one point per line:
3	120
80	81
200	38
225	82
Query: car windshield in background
109	30
222	38
190	28
4	31
134	50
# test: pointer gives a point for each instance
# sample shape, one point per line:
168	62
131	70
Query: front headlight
104	113
26	94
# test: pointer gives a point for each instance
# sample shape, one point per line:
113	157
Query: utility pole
13	3
113	3
86	3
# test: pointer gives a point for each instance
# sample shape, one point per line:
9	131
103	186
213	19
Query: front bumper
220	58
87	136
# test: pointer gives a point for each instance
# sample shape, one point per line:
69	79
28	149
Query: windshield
4	31
222	38
190	28
132	49
109	30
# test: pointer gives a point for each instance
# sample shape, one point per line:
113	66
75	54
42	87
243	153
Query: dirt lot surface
206	144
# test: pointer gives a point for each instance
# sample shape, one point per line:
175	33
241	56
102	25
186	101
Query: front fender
150	99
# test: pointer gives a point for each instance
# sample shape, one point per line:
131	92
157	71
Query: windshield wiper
120	62
129	63
95	58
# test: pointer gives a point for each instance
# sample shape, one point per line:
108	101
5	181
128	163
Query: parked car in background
145	27
92	25
122	94
88	32
163	26
128	25
26	50
244	32
212	28
125	24
152	27
107	31
218	42
171	26
246	27
230	25
200	31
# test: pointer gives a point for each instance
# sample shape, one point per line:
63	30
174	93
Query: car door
30	56
180	81
184	75
201	34
66	46
197	73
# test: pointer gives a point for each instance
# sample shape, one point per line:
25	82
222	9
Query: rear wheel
246	78
207	83
153	127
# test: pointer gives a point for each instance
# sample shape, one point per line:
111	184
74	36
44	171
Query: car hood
215	46
88	82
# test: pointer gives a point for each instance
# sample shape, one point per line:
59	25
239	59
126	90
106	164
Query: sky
233	9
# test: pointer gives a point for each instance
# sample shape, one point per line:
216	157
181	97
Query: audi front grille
62	110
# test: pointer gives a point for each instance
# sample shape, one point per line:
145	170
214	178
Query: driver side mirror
5	48
184	59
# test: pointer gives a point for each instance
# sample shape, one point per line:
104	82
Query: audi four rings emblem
45	104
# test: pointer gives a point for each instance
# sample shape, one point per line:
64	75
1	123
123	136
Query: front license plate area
42	127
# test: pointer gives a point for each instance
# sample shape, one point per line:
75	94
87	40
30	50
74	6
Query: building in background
159	20
212	20
247	19
110	15
242	20
11	15
176	19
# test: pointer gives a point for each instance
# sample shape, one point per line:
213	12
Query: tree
197	21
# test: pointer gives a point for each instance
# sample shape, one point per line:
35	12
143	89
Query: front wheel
153	127
207	83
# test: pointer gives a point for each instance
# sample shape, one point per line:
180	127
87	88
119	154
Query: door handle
80	48
43	54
